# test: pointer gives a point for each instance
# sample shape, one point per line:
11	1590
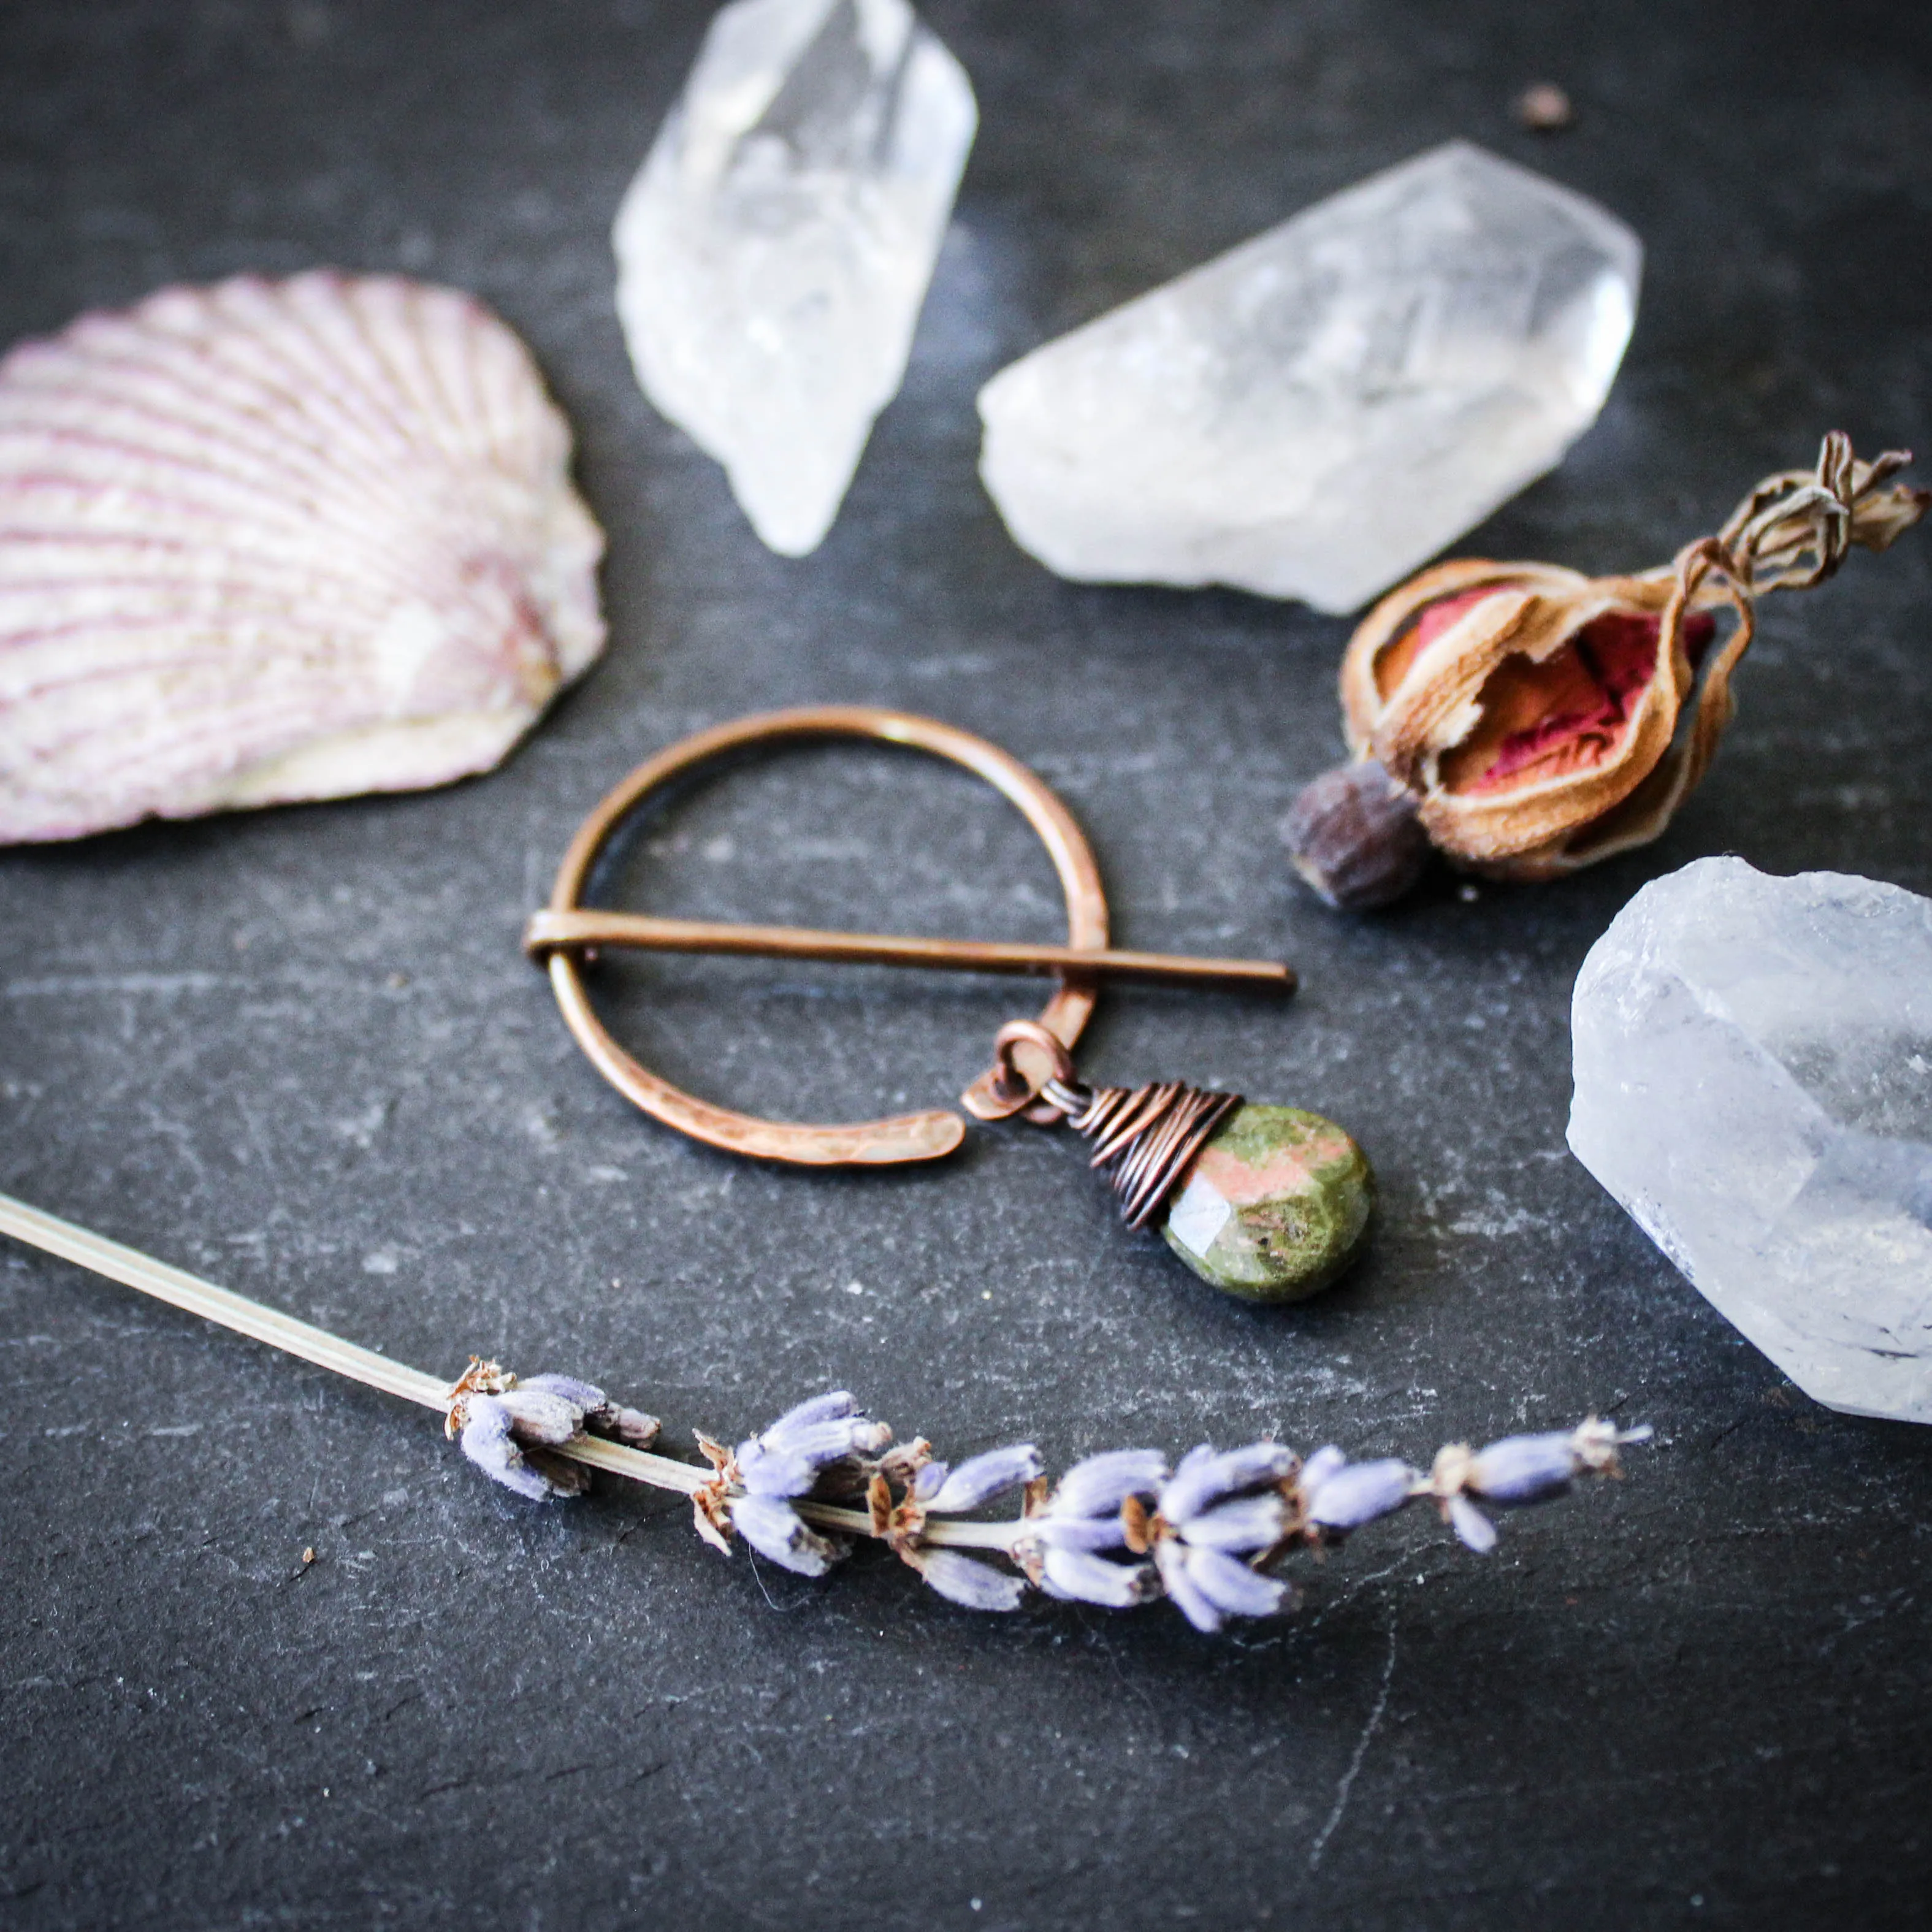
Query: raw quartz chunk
1753	1071
1318	411
774	251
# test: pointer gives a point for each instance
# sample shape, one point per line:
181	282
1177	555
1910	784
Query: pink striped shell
270	540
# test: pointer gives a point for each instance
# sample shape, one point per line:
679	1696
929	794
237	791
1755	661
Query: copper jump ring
1144	1136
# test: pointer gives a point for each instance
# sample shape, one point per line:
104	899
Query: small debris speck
308	1557
1544	108
1469	894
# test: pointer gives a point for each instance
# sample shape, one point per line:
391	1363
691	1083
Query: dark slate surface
299	1052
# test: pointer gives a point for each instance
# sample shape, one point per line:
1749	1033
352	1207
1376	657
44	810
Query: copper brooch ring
1269	1203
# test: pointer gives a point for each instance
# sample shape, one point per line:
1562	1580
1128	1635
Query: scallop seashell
270	541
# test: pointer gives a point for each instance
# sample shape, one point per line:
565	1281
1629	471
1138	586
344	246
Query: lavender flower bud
828	1408
537	1416
1360	1493
821	1443
927	1483
1241	1527
486	1441
580	1394
1078	1532
596	1411
1201	1480
775	1529
1317	1470
973	1585
631	1426
823	1431
807	1443
981	1478
1073	1574
1099	1486
1596	1442
764	1473
1182	1590
1523	1468
1475	1529
1230	1585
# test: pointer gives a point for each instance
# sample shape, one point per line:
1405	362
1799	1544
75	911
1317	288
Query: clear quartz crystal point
1318	411
1754	1066
775	247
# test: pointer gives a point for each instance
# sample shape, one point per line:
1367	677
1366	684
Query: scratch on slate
1361	1751
66	985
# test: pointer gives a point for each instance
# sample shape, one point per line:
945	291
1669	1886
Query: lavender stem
226	1310
1340	1497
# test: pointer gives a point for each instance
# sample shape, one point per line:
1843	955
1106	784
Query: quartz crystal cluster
1754	1083
774	251
1317	412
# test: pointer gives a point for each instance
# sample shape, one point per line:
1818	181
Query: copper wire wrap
1144	1138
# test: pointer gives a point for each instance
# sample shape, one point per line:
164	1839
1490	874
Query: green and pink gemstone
1274	1208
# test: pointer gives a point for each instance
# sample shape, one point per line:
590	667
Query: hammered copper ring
905	1137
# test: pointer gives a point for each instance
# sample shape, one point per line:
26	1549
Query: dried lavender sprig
1210	1526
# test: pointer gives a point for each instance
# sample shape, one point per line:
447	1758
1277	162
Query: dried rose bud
1535	720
